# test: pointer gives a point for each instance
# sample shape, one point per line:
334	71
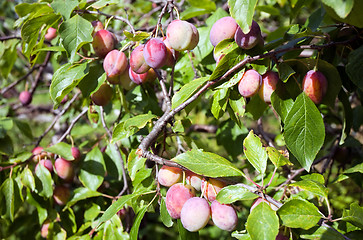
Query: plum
193	179
103	42
195	214
250	83
115	64
103	95
224	28
51	34
61	194
175	198
25	98
269	82
169	176
64	169
315	85
224	216
155	53
250	39
182	35
211	188
149	76
137	60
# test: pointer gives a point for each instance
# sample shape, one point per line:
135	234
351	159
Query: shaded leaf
92	172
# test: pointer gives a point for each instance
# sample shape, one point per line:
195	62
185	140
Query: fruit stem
107	22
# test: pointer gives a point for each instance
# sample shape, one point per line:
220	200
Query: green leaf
138	36
254	152
227	62
45	186
341	7
304	130
242	11
237	103
82	194
354	215
312	186
135	163
233	193
348	116
354	69
93	169
219	104
65	79
205	4
187	90
75	32
207	164
285	71
354	17
276	157
8	191
282	103
242	235
24	127
64	7
135	227
322	233
314	177
164	215
263	222
27	179
298	213
256	107
39	203
130	126
114	162
93	80
6	124
185	234
356	168
6	146
62	149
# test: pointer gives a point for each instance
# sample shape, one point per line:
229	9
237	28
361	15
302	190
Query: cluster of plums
314	83
156	53
62	167
195	212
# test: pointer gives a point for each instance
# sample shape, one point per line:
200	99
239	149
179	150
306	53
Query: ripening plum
61	194
259	200
155	53
97	26
250	39
171	54
250	83
51	34
46	163
211	188
269	82
193	179
103	42
149	76
137	60
125	80
169	176
195	214
224	28
114	64
224	216
315	85
175	198
64	169
281	236
76	153
25	98
45	229
103	95
39	154
182	35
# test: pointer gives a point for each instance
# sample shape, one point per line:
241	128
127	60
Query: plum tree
103	95
51	34
149	76
195	214
61	194
169	176
137	60
259	200
250	83
175	198
193	179
224	216
114	64
64	169
250	39
155	53
315	85
182	35
224	28
211	187
269	82
103	42
25	98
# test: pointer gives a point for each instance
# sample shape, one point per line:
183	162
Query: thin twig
75	120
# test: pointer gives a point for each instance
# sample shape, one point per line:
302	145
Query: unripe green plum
175	198
224	216
149	76
61	194
269	82
169	176
115	64
250	39
103	95
51	34
155	53
259	200
224	28
182	35
315	85
25	98
250	83
64	169
211	188
193	179
137	60
195	214
103	42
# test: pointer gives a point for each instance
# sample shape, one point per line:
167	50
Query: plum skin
137	60
182	35
195	214
103	95
224	28
175	198
61	194
25	98
103	42
315	85
64	169
250	83
155	53
224	216
51	34
114	64
47	164
250	39
76	154
193	179
211	188
269	82
169	176
149	76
